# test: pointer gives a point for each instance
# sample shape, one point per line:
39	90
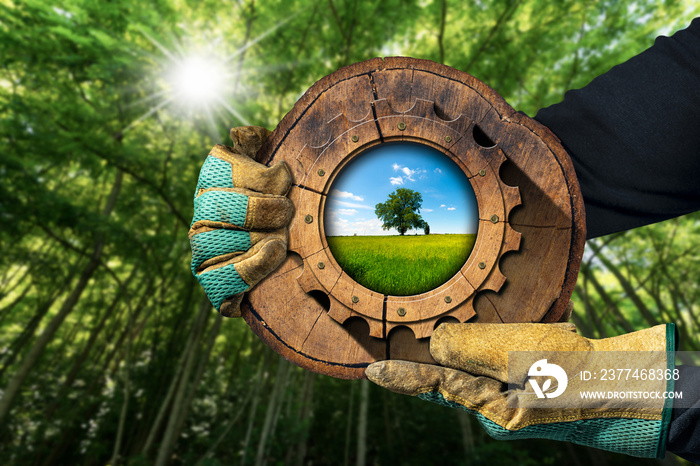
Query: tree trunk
280	378
169	438
609	304
202	364
348	428
125	404
626	286
465	427
306	416
155	427
28	331
15	383
362	423
253	409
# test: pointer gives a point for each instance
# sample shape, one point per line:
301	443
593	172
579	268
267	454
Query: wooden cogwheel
531	232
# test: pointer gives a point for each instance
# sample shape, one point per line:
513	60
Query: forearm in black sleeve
684	431
633	134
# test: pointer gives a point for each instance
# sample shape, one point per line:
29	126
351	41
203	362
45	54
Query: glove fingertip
231	307
374	371
248	140
268	255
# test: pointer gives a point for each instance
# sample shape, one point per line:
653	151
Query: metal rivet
448	138
494	219
402	126
321	265
482	172
308	219
482	265
321	172
355	138
401	311
448	299
355	299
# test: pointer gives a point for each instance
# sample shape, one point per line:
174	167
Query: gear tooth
511	240
511	196
424	109
464	312
338	312
324	143
495	280
308	281
500	160
376	327
382	108
424	329
337	126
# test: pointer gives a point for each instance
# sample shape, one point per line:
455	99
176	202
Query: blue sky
449	204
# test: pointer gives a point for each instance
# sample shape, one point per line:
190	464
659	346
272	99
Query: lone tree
400	211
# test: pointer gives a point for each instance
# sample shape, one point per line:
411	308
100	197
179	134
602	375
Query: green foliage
401	265
400	211
98	164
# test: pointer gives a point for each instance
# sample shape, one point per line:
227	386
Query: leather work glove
238	233
475	370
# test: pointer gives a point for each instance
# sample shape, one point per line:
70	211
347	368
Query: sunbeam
196	80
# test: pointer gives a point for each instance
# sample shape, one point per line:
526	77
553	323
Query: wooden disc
528	247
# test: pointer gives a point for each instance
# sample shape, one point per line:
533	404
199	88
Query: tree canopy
401	211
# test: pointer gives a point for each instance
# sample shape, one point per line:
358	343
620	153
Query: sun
197	80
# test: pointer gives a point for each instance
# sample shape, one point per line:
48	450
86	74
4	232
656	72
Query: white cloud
361	226
346	211
396	180
407	172
442	205
348	204
426	210
437	170
345	195
451	208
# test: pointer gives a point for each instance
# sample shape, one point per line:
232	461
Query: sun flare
197	80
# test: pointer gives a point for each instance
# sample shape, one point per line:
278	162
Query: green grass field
401	265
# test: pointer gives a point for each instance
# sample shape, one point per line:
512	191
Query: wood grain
531	222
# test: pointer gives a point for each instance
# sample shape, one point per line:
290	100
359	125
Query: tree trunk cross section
531	232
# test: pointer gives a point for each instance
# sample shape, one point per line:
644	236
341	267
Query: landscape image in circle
401	218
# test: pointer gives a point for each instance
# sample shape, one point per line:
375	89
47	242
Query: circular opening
401	218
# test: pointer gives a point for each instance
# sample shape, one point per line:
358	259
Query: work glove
238	233
474	373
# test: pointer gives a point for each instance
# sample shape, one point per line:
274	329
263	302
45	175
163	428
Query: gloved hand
475	371
238	233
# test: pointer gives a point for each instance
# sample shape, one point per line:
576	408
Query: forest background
110	352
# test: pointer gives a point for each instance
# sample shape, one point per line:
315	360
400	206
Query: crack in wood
311	330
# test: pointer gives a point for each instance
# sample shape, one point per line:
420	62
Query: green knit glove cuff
634	437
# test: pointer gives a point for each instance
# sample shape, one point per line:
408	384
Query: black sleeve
684	431
633	134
